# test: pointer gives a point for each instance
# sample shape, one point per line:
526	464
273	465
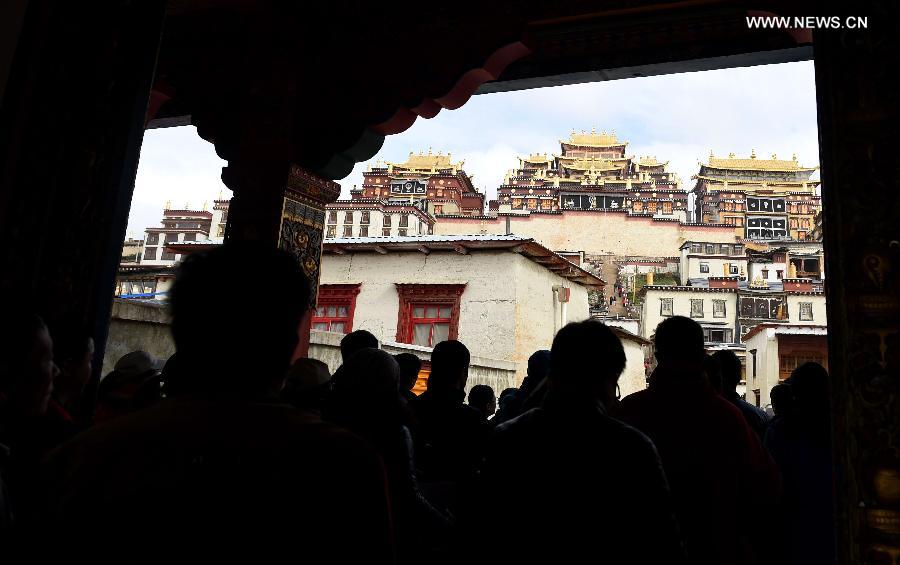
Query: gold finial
711	154
594	130
794	158
753	153
429	150
168	205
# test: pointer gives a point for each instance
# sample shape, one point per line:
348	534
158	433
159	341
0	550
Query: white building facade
503	296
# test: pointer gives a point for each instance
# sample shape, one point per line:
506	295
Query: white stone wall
681	304
634	377
772	275
594	232
820	317
765	342
716	267
376	223
506	311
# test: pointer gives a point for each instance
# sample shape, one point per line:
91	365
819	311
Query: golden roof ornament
794	157
774	156
753	153
731	155
758	282
168	205
205	205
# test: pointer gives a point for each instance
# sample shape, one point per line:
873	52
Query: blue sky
677	118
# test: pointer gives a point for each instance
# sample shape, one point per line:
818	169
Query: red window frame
417	295
336	295
414	321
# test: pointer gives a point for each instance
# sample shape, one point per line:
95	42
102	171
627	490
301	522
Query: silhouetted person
135	383
410	365
27	371
730	367
73	352
224	471
507	404
782	400
587	487
712	368
355	341
308	385
800	442
481	398
719	473
366	400
450	435
532	391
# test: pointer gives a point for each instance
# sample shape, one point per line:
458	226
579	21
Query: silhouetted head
678	345
782	399
307	385
587	359
481	398
27	369
810	387
236	311
539	364
73	352
505	395
713	370
449	366
366	392
356	341
730	368
410	365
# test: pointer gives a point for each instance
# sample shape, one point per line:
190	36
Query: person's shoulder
624	433
635	399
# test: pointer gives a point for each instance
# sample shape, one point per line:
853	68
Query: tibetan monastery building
764	199
433	182
592	172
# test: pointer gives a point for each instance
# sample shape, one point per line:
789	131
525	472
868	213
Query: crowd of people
230	451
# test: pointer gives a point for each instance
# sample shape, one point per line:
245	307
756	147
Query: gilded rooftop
594	139
754	163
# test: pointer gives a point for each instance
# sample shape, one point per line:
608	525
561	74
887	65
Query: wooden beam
380	249
424	249
461	249
337	250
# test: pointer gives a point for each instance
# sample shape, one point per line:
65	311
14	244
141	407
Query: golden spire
168	205
753	153
794	158
711	154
